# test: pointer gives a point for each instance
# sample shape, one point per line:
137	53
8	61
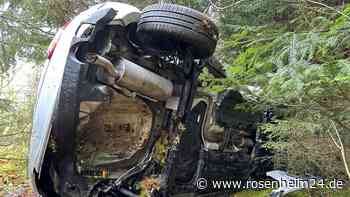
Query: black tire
169	26
68	109
64	130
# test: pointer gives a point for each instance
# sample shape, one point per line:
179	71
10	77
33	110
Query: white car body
50	83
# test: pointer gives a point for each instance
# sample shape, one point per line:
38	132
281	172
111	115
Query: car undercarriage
128	109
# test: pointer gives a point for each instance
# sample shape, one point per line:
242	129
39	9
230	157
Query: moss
161	149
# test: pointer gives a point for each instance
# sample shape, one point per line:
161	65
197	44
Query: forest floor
14	183
23	190
266	193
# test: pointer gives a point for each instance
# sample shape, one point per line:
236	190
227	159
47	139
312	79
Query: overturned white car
116	81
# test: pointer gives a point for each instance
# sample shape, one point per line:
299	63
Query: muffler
135	78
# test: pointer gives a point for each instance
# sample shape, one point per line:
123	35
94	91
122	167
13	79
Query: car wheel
171	27
65	124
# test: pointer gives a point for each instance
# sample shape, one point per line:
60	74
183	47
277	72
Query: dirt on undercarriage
113	134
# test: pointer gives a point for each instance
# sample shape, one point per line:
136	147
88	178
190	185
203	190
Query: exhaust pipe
135	78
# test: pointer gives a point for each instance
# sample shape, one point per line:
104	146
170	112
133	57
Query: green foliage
293	15
26	28
287	65
254	13
296	57
15	125
304	148
24	33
